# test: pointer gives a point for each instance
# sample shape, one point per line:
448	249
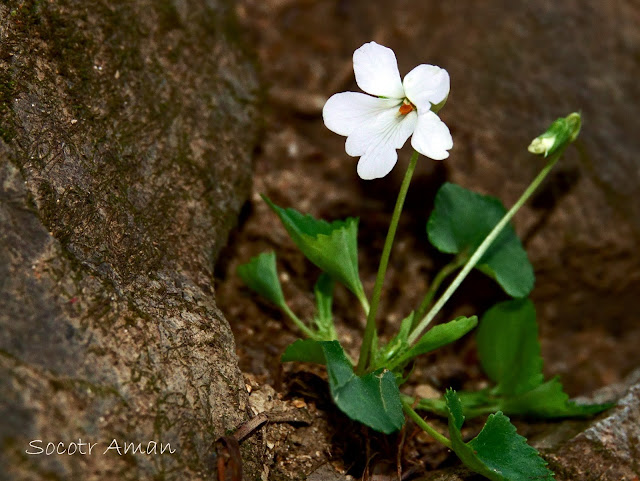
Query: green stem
423	424
364	303
370	328
469	411
446	271
473	260
296	320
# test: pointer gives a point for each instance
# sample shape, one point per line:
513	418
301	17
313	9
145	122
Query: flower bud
561	132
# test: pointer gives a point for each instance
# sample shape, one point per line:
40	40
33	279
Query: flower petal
345	112
426	85
376	70
388	128
377	162
377	142
432	137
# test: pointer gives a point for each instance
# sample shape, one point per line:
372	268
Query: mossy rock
127	130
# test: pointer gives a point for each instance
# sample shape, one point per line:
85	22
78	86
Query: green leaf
373	399
397	345
474	403
508	346
461	220
333	247
436	337
323	319
509	352
454	412
261	275
307	350
548	401
498	452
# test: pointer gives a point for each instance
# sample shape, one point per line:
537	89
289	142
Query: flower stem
482	248
424	425
370	328
296	320
446	271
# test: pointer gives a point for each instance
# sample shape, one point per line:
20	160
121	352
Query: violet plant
475	230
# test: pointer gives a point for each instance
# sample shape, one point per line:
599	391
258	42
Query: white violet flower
377	125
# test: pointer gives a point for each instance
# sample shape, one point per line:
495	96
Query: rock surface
127	129
609	448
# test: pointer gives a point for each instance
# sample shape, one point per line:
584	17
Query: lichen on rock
127	130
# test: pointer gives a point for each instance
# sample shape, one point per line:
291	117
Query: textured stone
127	129
609	448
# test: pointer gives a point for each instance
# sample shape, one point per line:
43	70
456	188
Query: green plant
474	229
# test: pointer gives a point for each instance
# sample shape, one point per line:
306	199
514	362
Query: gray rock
609	448
326	473
126	131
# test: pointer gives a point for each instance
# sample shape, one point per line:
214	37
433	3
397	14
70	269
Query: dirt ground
304	49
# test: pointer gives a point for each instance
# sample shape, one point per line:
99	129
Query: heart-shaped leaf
461	220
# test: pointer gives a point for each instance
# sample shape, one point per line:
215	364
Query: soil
304	49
